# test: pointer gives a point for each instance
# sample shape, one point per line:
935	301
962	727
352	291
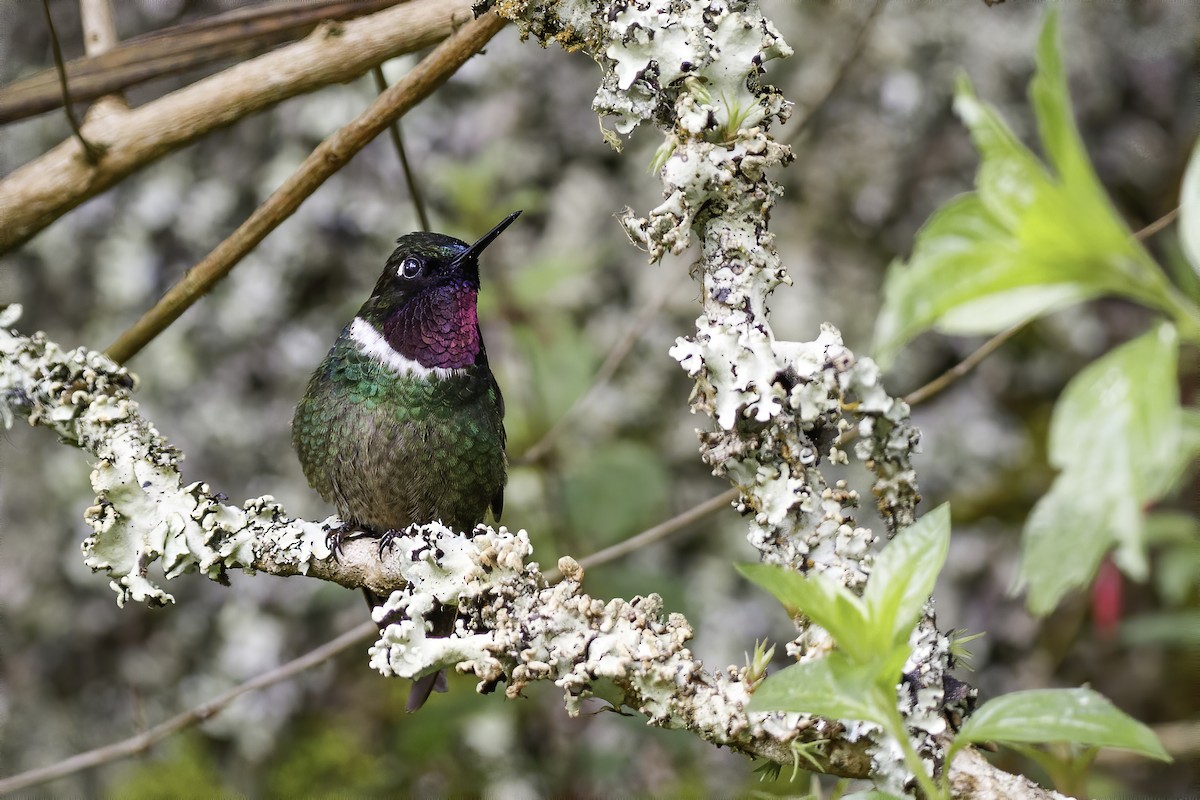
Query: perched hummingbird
403	422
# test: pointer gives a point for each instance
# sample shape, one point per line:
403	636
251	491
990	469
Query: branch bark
241	33
40	192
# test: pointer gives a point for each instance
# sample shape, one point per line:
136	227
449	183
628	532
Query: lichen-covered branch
513	626
779	409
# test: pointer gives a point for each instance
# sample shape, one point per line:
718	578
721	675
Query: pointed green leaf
1189	210
825	602
1120	440
905	572
1034	236
833	687
1081	716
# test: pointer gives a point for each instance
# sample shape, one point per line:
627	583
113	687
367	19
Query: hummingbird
403	422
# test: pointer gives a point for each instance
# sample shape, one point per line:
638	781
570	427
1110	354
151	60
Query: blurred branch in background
330	156
848	61
110	67
43	190
136	745
99	29
612	362
414	190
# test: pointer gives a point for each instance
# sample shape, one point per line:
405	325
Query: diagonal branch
136	745
239	34
330	156
43	190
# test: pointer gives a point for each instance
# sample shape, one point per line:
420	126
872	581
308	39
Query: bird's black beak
472	252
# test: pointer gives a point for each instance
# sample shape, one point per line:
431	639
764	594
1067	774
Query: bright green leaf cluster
857	681
871	631
1032	238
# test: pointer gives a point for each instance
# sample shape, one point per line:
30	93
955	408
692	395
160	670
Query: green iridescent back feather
388	450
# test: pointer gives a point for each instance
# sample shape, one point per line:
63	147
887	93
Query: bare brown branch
40	192
240	33
330	156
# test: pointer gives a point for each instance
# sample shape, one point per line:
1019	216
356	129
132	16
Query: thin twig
960	369
848	61
144	741
239	34
414	191
612	362
330	156
1158	224
90	151
652	535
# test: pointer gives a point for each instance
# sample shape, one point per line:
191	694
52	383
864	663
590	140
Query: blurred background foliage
877	150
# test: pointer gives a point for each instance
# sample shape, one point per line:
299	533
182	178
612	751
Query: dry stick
91	152
241	33
330	156
848	61
1158	224
616	356
144	741
652	535
43	190
136	745
414	191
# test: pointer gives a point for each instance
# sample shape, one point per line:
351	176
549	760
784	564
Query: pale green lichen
143	511
780	409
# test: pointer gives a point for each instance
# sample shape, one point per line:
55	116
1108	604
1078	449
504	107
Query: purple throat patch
439	328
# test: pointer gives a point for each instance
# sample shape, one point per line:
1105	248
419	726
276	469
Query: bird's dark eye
410	267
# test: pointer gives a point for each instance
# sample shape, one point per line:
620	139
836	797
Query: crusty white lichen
781	411
512	627
143	511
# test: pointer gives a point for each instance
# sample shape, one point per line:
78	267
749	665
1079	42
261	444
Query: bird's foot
341	533
388	540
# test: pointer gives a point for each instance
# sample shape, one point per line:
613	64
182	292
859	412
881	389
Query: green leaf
904	574
1081	716
833	686
1032	238
825	602
1189	210
1119	438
